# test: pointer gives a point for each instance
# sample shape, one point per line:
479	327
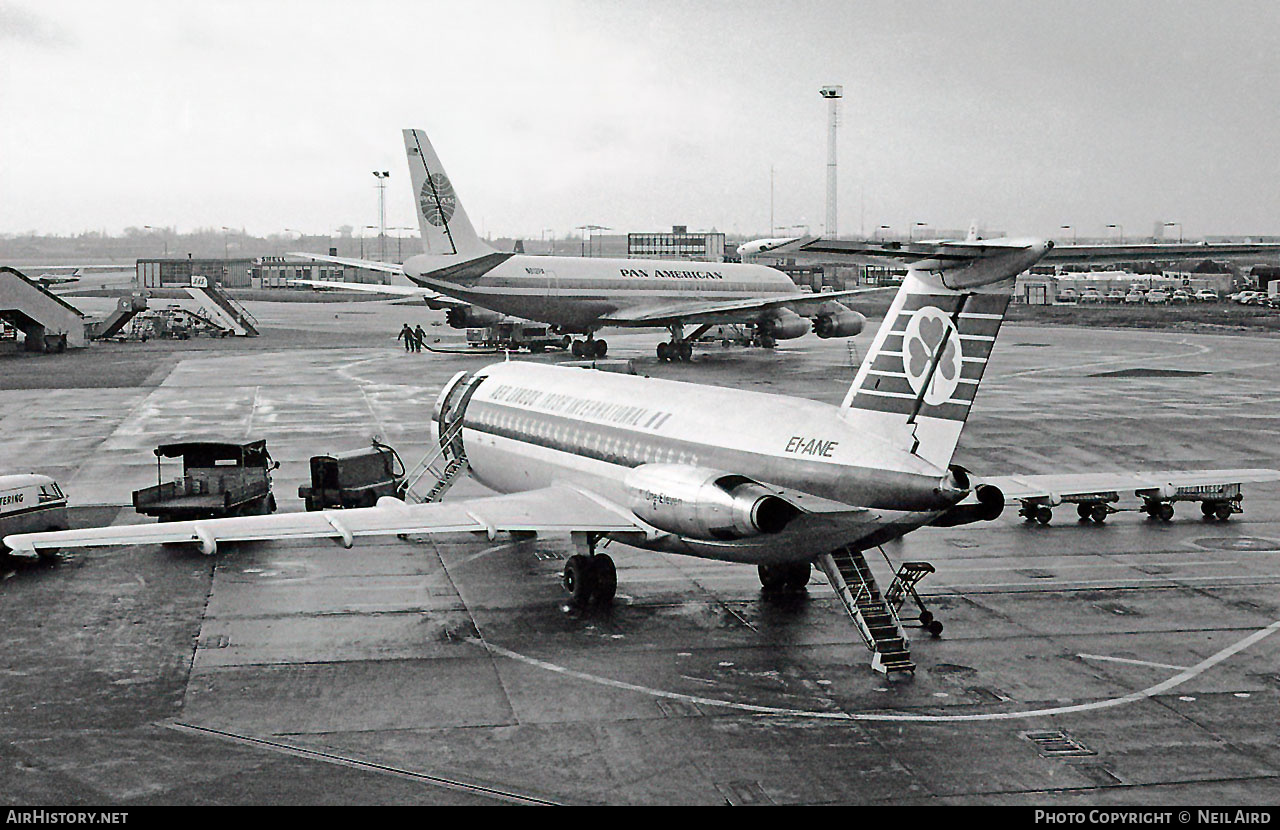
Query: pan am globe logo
436	200
930	333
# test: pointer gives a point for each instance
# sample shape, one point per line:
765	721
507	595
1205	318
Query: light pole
1179	224
225	231
876	236
366	228
1120	229
586	234
911	230
163	238
399	258
1073	232
551	231
382	177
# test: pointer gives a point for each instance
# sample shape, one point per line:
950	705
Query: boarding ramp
875	619
220	307
49	322
126	309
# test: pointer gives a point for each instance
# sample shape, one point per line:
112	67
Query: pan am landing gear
589	348
680	348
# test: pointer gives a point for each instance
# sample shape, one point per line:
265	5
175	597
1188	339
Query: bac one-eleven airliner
581	295
778	482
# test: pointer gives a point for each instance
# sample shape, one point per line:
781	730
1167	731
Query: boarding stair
876	620
226	311
48	322
127	308
443	467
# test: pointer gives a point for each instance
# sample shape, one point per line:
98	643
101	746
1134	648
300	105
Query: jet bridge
49	322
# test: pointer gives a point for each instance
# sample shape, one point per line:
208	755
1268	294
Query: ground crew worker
406	334
420	338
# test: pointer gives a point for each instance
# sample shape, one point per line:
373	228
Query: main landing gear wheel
682	351
589	348
788	576
590	580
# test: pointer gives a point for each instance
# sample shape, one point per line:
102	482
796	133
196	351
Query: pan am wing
736	311
552	509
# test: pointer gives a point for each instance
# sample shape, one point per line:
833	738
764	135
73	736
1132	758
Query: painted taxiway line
1133	697
355	763
1131	662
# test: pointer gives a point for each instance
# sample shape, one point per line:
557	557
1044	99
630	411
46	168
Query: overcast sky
272	115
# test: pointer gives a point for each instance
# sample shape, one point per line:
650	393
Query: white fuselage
577	293
529	426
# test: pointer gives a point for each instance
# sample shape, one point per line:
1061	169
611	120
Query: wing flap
553	509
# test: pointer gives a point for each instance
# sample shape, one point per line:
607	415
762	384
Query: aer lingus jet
582	295
778	482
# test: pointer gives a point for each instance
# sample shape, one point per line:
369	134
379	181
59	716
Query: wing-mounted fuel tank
705	504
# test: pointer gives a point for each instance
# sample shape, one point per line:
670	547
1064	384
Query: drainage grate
1057	744
678	709
1097	774
214	641
743	793
1143	372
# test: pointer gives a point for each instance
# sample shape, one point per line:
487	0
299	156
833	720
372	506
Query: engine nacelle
784	324
705	504
846	323
989	507
466	317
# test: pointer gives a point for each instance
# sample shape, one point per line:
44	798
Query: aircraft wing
368	264
735	311
1167	483
945	254
434	299
553	509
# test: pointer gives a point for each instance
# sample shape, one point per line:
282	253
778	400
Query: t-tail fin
919	380
446	230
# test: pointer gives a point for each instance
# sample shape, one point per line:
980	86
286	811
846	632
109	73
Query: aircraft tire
605	576
664	351
798	575
601	348
685	351
576	348
772	577
767	342
578	580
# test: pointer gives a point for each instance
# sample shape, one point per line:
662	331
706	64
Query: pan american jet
581	295
778	482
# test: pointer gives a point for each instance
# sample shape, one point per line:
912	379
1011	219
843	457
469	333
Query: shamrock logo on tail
931	333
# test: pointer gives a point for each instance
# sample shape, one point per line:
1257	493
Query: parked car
1157	296
1068	295
1091	295
1179	297
1135	298
1206	295
1249	297
1115	295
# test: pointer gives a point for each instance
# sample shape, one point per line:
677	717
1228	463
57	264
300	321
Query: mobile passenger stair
219	306
48	322
875	615
127	308
443	468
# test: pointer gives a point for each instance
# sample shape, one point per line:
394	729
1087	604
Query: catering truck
30	503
